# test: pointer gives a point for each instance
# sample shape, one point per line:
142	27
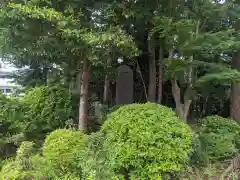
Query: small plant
145	141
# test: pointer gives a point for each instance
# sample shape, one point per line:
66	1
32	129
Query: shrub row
137	141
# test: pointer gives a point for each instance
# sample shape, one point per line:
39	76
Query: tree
186	35
79	36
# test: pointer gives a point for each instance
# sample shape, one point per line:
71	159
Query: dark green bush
12	116
219	125
94	163
42	110
49	107
199	156
218	146
64	150
219	137
146	141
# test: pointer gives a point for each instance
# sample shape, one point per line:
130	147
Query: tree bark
83	103
106	83
106	90
152	70
235	93
235	89
182	109
160	75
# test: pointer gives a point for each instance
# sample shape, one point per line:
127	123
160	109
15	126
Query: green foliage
106	111
218	124
146	141
199	157
219	137
49	108
20	167
25	150
11	115
95	165
219	146
42	110
64	149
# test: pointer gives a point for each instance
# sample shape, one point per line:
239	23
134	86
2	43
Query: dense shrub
21	167
146	141
94	163
219	125
64	149
218	146
219	137
25	150
49	108
12	116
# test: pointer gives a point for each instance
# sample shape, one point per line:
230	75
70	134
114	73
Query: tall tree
185	29
80	36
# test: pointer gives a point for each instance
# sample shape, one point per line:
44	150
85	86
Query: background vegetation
185	58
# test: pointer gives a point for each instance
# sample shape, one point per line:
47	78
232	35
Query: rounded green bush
13	169
146	141
64	148
218	124
219	137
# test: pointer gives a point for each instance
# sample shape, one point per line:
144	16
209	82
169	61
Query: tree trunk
152	70
235	89
107	83
83	103
160	75
235	94
106	90
182	109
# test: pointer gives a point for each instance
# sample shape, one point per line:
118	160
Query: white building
6	84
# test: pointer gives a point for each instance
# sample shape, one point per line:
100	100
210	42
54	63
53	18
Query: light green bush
146	141
25	150
64	150
21	167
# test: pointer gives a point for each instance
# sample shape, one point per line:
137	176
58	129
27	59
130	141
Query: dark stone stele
124	85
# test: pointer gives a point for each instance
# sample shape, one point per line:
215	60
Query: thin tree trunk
83	103
160	75
142	79
106	84
177	98
106	90
152	70
235	94
182	109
